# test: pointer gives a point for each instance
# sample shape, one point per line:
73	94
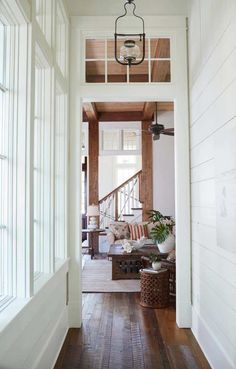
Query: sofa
118	231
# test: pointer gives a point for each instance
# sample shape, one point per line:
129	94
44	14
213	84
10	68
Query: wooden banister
138	174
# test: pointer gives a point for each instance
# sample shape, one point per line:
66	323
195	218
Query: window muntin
101	67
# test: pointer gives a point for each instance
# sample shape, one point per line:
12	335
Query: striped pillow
138	230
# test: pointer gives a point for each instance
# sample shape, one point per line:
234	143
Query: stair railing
120	201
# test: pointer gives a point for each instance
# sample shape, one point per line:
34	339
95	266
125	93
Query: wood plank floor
117	333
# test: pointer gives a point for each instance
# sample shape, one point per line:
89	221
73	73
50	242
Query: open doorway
130	172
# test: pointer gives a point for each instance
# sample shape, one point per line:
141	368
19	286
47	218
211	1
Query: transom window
119	140
101	67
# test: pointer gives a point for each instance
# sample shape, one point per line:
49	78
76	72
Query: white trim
175	91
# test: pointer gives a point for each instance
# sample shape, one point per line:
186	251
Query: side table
92	239
154	288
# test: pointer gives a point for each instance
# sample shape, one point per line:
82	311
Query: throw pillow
120	230
138	230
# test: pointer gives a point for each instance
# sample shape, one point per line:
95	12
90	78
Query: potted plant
155	260
162	232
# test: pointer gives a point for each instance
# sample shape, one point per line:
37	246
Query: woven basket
154	289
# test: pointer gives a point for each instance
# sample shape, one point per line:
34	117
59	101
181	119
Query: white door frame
176	91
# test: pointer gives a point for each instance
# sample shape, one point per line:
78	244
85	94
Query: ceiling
115	7
123	111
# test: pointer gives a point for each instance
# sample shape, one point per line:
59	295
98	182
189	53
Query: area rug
96	277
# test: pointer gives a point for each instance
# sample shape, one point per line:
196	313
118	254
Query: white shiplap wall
212	63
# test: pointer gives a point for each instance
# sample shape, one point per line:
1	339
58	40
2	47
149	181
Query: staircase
122	203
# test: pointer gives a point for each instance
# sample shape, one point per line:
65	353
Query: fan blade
167	133
169	130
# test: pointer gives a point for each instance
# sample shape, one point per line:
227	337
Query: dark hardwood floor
117	333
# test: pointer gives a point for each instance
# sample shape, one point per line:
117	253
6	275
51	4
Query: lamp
93	212
129	51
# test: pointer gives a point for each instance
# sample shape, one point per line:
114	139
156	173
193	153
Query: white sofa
112	235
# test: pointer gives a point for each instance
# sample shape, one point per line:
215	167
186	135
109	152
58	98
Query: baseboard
211	348
52	347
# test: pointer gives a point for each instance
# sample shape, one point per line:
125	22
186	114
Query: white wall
114	7
213	116
163	168
33	339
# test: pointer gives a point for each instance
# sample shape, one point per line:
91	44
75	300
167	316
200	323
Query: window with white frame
29	148
6	246
42	166
13	126
61	37
119	140
44	17
101	66
60	173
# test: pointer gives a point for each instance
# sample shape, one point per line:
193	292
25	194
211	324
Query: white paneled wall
212	60
164	169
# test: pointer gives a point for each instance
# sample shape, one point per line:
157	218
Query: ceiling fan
156	129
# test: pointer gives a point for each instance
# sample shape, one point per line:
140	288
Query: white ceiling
115	7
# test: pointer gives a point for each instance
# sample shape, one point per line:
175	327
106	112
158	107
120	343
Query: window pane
95	71
5	246
130	141
111	140
60	199
44	17
139	73
160	71
95	49
60	39
160	48
116	72
42	171
2	52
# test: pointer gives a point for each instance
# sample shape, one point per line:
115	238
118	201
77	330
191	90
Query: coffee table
127	265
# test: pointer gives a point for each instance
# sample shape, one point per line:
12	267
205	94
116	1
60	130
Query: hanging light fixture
130	53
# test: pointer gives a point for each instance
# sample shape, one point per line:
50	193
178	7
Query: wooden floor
117	333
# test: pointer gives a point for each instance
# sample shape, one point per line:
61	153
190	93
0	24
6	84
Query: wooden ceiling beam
165	106
90	111
128	116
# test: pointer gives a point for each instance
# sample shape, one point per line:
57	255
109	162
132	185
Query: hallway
117	333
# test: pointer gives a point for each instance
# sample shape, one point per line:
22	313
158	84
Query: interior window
101	66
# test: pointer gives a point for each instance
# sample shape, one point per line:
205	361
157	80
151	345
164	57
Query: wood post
93	153
146	185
